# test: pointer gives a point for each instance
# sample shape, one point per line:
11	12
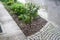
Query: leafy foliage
17	8
29	13
25	12
10	2
7	0
32	10
4	0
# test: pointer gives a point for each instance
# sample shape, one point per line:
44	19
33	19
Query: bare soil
30	29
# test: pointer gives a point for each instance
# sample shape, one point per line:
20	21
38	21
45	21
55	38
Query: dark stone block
0	29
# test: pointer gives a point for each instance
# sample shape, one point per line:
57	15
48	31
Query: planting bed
26	16
36	25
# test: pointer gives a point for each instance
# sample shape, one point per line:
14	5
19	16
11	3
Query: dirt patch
30	29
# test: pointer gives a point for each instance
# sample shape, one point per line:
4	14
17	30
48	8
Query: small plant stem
30	20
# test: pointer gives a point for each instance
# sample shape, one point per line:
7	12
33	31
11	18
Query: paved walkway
10	29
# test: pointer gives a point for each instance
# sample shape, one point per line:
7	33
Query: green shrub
29	13
25	12
10	2
15	0
4	0
17	8
32	10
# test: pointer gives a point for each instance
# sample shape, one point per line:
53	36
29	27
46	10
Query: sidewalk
10	29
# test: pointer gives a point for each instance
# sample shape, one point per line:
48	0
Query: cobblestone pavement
49	32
